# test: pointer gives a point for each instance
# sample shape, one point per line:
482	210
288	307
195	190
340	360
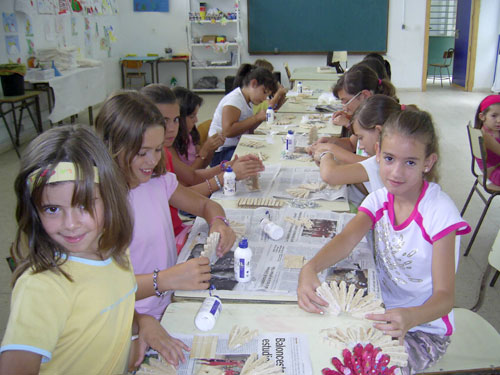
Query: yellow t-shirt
259	107
79	327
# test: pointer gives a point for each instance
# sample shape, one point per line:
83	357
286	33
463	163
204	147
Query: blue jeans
225	154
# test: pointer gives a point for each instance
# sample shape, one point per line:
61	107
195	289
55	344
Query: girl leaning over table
416	228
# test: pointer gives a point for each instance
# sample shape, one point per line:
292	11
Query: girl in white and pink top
416	228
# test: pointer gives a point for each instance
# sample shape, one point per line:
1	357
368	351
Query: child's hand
261	115
213	143
306	291
246	166
395	322
152	334
193	274
227	237
342	118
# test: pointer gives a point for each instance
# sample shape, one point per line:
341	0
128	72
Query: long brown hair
376	109
121	124
33	248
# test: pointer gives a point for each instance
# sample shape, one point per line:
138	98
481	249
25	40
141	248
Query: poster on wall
150	5
46	6
25	6
9	22
12	45
28	26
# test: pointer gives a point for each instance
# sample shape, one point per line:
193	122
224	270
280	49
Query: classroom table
318	86
299	105
312	74
74	91
151	60
300	123
161	60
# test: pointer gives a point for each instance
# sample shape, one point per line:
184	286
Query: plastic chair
481	185
448	57
133	70
335	59
203	130
493	263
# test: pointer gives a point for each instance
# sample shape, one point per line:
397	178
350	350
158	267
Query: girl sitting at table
134	130
416	244
367	126
278	99
353	88
234	116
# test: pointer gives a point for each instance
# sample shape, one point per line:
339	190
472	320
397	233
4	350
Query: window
443	17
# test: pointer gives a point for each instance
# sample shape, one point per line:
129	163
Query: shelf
214	67
208	90
208	22
230	44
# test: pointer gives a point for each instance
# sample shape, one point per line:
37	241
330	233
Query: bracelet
201	157
224	220
209	187
155	284
223	165
217	181
325	153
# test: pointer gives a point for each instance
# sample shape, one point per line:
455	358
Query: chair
448	57
493	263
479	152
335	58
474	346
288	74
133	70
203	130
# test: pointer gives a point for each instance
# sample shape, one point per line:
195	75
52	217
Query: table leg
91	116
152	72
31	116
14	118
123	74
9	132
157	73
187	74
38	114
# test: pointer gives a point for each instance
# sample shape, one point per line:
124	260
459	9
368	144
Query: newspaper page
289	351
276	264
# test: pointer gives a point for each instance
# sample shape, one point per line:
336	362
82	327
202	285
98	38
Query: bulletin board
317	26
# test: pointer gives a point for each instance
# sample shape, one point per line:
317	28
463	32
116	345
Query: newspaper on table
273	278
290	351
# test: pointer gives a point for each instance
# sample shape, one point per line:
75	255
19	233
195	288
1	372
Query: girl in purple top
488	120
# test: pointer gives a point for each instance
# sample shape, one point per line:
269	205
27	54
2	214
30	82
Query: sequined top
403	253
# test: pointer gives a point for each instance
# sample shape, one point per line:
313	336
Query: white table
312	74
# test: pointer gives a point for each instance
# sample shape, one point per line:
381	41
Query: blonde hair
121	123
33	247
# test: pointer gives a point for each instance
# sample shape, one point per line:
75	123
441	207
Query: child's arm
188	200
206	152
152	334
278	99
334	173
398	321
491	143
20	362
341	154
232	127
334	251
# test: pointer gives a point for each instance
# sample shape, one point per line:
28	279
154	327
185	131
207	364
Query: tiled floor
451	110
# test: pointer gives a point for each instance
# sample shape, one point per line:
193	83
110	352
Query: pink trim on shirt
420	222
370	215
378	215
447	323
453	228
413	214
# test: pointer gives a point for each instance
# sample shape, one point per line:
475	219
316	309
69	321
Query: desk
74	91
151	60
311	74
165	60
21	102
297	123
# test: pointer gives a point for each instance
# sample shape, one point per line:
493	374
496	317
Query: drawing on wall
150	5
25	6
63	7
9	22
28	26
74	30
76	6
31	47
12	45
88	43
46	6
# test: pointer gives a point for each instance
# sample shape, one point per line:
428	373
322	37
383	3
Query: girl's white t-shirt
236	99
373	171
403	253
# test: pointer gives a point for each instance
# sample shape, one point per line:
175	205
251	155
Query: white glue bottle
270	115
290	142
242	258
274	231
208	313
299	87
229	182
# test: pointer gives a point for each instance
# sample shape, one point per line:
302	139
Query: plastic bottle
299	87
229	182
173	82
242	258
274	231
208	313
270	115
290	142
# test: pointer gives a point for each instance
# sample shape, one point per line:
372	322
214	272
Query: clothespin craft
240	336
154	366
259	366
210	248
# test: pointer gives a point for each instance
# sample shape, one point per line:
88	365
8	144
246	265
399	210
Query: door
461	42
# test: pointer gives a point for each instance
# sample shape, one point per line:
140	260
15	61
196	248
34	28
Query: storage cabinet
213	43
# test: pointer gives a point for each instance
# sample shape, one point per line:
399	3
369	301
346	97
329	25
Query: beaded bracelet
224	220
209	187
155	284
217	181
223	165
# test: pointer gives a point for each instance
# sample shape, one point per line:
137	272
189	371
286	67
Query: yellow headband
64	171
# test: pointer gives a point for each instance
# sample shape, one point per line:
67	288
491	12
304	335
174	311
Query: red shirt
176	220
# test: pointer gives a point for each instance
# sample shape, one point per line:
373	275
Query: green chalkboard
308	26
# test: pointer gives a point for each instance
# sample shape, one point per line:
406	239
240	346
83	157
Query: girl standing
73	299
234	114
488	120
416	228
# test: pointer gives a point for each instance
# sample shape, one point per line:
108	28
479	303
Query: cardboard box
208	38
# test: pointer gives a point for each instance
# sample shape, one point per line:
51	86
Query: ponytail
247	72
361	77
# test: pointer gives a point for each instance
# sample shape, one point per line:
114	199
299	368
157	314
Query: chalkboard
317	26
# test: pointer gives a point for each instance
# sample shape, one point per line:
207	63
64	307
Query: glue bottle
270	115
208	313
229	182
242	258
274	231
299	87
290	143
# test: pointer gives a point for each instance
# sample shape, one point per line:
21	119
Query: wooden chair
203	130
493	263
481	184
288	74
133	70
447	57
